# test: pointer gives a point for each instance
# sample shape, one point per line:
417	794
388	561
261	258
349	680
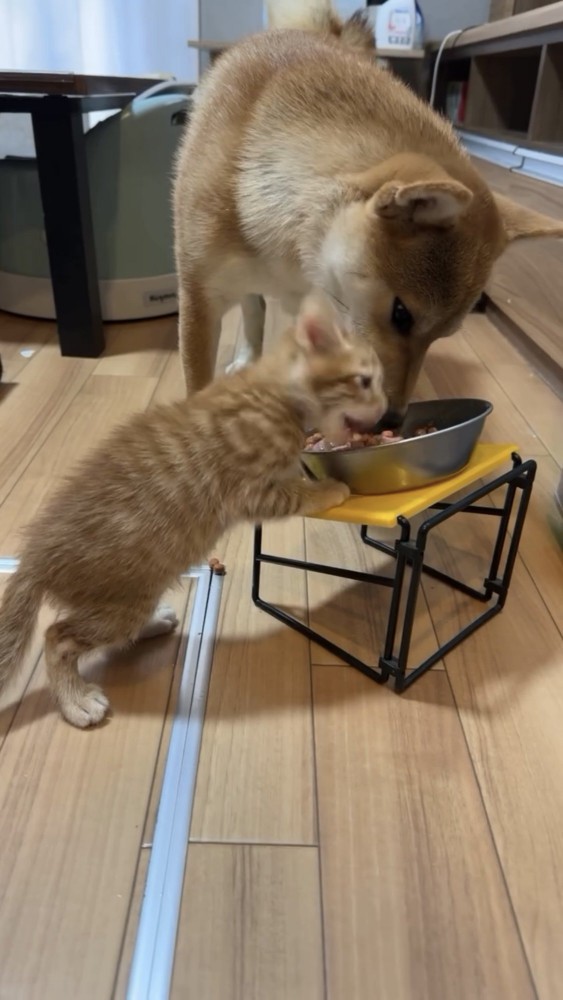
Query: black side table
63	179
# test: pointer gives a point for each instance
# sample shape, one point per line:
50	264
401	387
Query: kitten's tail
18	615
319	16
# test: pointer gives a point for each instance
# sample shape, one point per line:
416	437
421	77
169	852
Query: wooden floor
345	842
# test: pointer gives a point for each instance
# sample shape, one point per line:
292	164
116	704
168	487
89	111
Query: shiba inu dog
305	165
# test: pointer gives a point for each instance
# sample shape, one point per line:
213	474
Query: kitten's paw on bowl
331	493
340	491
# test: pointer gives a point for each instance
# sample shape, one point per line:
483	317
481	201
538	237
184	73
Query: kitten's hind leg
82	704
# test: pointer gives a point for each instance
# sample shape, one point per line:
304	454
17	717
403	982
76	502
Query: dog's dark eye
401	318
361	381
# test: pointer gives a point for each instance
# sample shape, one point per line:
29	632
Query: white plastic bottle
398	24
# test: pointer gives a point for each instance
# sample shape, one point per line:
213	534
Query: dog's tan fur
154	498
305	165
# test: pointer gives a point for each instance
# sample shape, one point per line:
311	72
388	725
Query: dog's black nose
389	421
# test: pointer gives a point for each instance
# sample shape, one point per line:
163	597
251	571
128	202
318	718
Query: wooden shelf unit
513	69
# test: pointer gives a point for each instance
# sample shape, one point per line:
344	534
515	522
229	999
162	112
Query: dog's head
410	254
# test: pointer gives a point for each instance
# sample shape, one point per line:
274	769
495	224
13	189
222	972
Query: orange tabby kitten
154	498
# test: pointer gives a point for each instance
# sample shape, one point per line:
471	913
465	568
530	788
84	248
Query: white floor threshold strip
155	945
8	564
153	957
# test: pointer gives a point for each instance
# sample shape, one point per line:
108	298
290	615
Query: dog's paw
87	706
246	356
162	622
235	366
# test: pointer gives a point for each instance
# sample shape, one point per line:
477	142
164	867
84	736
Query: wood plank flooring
345	842
526	282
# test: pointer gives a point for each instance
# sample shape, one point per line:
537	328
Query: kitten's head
338	370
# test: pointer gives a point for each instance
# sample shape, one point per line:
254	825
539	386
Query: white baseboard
502	153
519	159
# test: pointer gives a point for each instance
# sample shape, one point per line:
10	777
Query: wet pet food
316	442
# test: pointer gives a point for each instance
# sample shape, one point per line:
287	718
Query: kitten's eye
401	318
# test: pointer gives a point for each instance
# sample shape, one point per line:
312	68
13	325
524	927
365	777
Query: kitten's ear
317	330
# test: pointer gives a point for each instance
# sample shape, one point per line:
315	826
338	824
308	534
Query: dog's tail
18	614
319	16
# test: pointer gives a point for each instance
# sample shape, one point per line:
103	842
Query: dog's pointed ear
425	203
411	188
317	330
521	223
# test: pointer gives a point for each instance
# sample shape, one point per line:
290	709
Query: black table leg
63	179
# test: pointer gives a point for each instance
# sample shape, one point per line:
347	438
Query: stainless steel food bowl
415	461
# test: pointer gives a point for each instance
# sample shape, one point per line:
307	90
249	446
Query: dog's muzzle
390	421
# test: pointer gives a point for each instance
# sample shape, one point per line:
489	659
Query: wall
114	37
223	20
441	16
135	37
227	20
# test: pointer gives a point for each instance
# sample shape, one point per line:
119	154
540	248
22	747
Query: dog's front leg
253	318
199	323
